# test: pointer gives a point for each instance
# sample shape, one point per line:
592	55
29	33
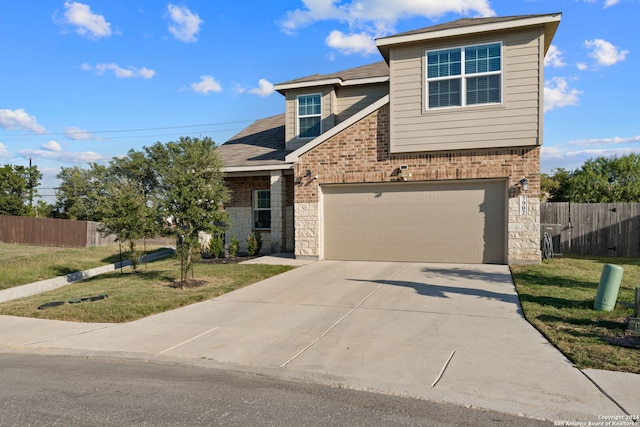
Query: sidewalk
448	333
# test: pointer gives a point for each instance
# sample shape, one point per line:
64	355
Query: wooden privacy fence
596	229
51	232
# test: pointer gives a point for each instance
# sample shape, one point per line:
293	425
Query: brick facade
280	237
360	154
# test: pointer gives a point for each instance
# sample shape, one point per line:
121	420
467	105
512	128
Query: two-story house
431	155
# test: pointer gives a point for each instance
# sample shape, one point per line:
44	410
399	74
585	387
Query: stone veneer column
307	228
524	231
278	198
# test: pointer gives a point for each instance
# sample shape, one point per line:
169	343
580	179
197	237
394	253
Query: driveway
451	333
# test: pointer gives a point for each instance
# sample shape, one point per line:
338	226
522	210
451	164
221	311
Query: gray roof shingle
466	22
261	143
377	69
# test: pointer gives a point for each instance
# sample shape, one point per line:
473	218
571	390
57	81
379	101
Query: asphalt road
48	390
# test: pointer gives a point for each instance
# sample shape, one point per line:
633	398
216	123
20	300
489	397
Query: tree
125	207
554	187
606	180
190	190
17	189
80	192
601	180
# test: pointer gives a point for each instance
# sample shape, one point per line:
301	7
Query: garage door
418	222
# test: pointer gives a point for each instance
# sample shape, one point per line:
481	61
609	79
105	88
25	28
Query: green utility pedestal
608	288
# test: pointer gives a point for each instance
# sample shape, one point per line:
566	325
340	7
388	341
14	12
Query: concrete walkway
452	333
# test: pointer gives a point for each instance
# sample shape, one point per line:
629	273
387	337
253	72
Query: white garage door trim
444	221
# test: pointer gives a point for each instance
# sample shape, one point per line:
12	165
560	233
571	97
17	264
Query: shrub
234	246
254	243
216	245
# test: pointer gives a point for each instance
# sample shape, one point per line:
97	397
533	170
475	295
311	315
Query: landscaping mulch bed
226	260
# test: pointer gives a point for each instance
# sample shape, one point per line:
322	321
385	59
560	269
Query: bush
254	243
216	246
234	246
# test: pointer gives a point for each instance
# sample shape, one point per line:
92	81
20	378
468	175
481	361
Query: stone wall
360	154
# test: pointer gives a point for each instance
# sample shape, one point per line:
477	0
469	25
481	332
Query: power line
95	135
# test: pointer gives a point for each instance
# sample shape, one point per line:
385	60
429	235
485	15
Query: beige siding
352	99
291	113
514	122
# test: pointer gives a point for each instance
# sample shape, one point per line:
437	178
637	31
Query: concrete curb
57	282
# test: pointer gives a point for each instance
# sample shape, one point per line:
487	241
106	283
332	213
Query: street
47	390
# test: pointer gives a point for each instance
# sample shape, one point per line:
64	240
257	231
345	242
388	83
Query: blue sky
89	80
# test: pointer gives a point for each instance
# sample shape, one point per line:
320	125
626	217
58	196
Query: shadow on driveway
469	282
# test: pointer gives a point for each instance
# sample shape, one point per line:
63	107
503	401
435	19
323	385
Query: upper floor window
309	116
464	76
261	209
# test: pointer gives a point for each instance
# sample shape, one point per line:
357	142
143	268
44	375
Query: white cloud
572	155
557	94
186	24
606	141
582	66
554	57
78	134
381	14
238	88
607	3
3	151
68	157
19	119
51	146
561	153
265	88
119	72
604	52
87	23
353	43
206	84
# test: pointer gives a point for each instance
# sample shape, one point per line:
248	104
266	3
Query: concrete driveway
451	333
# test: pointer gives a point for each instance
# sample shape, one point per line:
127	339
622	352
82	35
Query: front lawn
22	264
132	296
557	297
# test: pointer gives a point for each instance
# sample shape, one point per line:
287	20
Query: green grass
132	296
557	297
21	264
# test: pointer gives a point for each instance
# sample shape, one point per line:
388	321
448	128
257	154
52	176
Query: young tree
126	214
190	191
80	192
125	208
17	189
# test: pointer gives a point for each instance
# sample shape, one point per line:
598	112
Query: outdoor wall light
524	183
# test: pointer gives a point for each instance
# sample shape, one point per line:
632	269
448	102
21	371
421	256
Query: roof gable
470	26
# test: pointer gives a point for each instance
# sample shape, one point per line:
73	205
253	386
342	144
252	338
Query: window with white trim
261	209
309	116
464	76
